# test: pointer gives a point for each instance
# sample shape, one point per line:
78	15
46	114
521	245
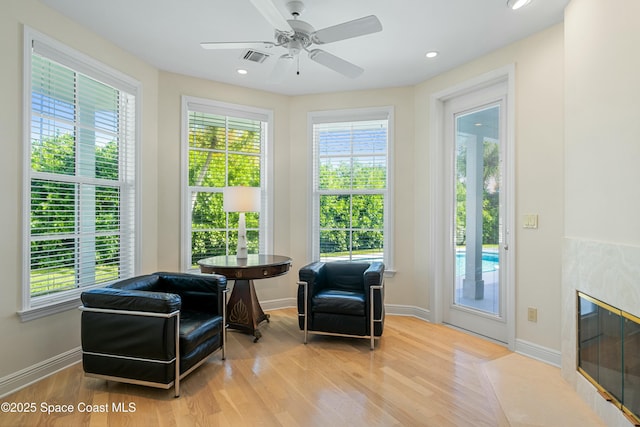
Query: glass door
474	297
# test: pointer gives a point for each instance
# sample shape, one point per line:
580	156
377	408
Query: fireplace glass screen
609	352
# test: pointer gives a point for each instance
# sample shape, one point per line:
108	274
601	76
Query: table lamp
241	199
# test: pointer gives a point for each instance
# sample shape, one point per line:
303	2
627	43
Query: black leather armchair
154	329
342	298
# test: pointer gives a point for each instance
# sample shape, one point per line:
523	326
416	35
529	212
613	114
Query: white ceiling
167	33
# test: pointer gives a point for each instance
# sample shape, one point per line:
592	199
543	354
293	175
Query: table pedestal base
243	309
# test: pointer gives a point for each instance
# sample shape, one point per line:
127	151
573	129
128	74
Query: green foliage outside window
53	215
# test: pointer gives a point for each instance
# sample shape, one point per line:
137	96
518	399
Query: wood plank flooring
420	374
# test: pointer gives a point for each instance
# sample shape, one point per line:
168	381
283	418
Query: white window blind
350	189
81	179
226	147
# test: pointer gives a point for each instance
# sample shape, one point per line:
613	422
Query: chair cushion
345	275
339	302
133	300
197	327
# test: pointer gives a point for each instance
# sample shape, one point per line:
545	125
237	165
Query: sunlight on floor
532	393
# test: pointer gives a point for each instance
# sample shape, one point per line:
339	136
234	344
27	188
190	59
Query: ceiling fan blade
237	45
346	30
271	14
280	71
339	65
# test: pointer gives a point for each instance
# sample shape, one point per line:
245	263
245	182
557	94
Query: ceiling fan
296	35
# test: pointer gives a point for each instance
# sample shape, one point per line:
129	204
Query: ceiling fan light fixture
295	46
517	4
281	69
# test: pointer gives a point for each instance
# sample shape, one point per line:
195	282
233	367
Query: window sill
49	309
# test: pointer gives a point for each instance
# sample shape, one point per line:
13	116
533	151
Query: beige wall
539	134
539	173
603	121
32	342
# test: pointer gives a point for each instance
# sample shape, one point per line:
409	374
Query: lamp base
241	252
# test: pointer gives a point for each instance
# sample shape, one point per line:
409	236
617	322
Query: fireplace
608	353
608	272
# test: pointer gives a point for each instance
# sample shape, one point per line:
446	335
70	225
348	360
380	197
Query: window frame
40	306
204	105
345	116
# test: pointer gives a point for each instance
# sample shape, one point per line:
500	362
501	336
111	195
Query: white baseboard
27	376
538	352
407	310
393	309
276	304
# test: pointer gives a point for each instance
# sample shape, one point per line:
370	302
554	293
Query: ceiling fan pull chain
298	65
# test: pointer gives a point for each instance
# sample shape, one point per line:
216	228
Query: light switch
531	221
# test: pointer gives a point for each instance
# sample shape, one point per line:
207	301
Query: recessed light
242	71
431	54
517	4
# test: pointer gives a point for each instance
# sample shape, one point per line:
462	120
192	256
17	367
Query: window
80	187
351	185
223	145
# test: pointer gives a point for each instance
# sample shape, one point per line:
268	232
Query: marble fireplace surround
611	273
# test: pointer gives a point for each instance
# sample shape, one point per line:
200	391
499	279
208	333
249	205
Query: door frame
440	188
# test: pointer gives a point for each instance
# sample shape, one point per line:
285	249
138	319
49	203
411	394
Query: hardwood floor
420	374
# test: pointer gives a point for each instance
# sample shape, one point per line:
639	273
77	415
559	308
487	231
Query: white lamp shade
241	199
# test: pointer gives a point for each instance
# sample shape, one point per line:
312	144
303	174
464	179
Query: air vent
255	56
